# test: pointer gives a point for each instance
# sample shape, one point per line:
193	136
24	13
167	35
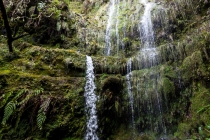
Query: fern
44	106
41	117
20	92
38	91
25	100
5	98
203	109
32	93
10	107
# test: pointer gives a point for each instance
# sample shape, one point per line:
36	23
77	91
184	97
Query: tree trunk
7	26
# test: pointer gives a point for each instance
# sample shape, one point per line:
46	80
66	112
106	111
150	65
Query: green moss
191	64
183	130
33	98
103	76
113	84
60	71
197	121
168	87
5	72
168	71
201	108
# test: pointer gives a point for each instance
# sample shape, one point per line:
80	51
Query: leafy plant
10	107
205	108
14	103
38	91
41	117
204	132
20	92
5	98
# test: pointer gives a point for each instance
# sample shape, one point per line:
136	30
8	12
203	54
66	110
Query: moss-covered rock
42	86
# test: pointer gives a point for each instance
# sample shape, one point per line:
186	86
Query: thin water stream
130	95
90	98
108	27
148	57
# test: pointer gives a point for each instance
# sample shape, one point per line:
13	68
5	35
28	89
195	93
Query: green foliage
19	100
168	86
112	83
41	5
205	108
53	9
103	76
182	130
193	65
167	71
125	40
58	26
9	109
19	93
38	91
55	2
41	117
5	97
193	61
68	109
204	132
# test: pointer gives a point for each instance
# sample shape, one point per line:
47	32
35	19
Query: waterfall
116	26
148	52
147	106
90	99
108	28
148	58
130	95
124	24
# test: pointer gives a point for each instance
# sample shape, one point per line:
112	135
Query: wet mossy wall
42	82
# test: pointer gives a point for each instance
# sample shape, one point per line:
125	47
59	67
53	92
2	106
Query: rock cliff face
165	42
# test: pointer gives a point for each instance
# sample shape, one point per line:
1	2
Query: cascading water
124	24
148	52
147	106
116	26
90	99
108	28
130	95
148	58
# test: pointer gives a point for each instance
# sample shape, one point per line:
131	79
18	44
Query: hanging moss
42	86
167	71
112	83
168	87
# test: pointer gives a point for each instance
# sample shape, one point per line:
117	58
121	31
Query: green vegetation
42	81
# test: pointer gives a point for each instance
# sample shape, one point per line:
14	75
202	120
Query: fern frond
203	109
38	91
41	117
28	96
19	93
5	97
8	110
25	100
44	106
